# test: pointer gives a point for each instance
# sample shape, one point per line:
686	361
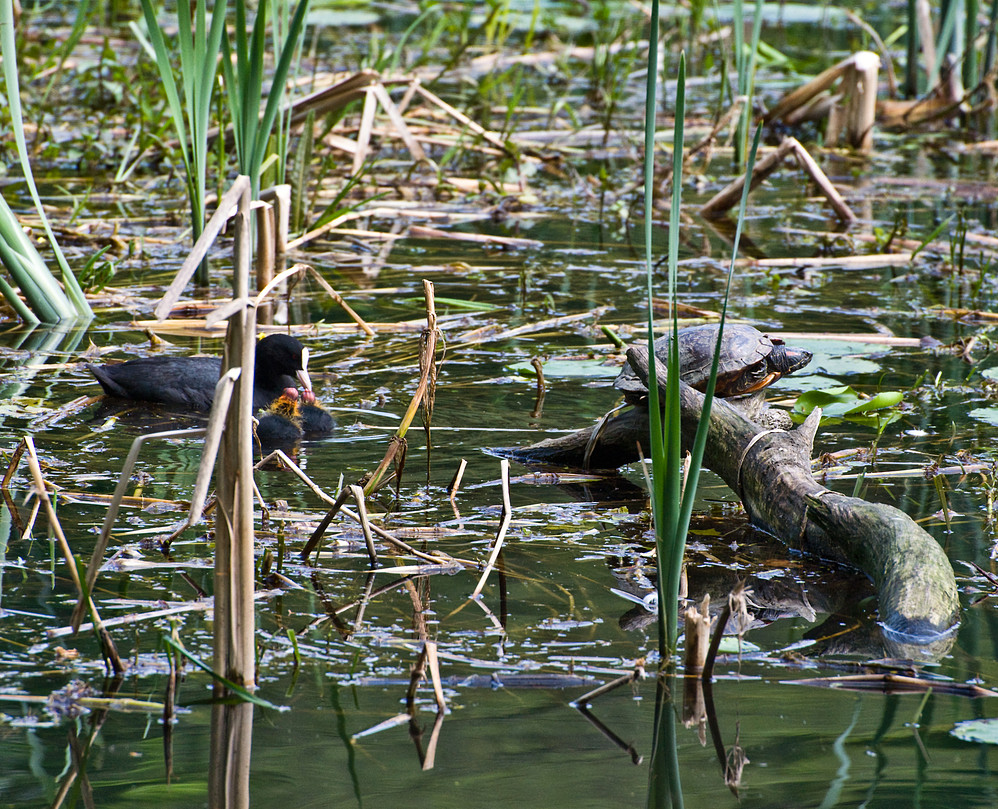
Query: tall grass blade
700	441
198	45
656	444
244	86
52	303
672	540
672	503
745	59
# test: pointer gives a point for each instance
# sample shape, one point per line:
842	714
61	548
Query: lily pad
729	645
843	402
981	731
839	358
568	368
990	373
988	415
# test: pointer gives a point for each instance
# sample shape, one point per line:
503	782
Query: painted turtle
749	362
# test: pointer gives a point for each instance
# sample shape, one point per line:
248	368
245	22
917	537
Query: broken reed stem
586	699
265	258
507	513
365	525
218	219
15	460
428	348
332	293
279	196
455	483
397	441
428	367
433	663
124	479
697	636
107	645
235	618
290	464
730	196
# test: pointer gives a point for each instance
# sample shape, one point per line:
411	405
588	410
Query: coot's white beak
306	382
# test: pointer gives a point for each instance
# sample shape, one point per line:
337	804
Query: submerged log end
916	586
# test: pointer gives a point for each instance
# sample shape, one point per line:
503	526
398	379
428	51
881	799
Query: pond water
555	624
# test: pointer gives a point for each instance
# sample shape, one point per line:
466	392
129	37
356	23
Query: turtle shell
749	361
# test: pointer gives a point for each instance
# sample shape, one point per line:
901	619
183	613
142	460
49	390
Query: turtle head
782	360
785	360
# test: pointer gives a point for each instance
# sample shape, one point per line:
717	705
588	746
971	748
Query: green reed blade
57	303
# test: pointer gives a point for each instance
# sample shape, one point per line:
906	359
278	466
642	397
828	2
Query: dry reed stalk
279	196
290	464
857	79
395	453
846	262
107	644
422	232
492	333
229	755
398	122
358	495
440	558
587	699
201	246
234	648
433	663
364	132
334	97
854	121
15	460
507	515
332	293
428	348
97	557
135	618
460	117
429	757
455	483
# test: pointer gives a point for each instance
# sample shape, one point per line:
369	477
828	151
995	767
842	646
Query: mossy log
770	470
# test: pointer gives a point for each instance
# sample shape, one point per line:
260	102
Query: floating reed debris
889	683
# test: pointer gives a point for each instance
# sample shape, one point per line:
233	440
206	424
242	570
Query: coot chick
280	425
287	420
190	381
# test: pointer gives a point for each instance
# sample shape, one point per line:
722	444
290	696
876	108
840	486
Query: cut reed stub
846	93
697	635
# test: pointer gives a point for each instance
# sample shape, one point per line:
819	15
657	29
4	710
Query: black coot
281	362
